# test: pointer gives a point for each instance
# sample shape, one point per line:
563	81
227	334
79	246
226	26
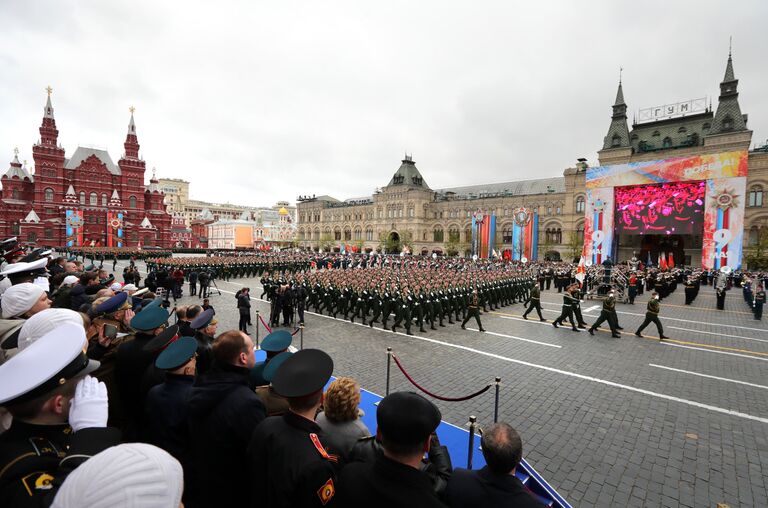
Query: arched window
103	200
15	194
755	196
369	234
48	233
132	202
727	123
753	236
358	233
656	134
682	130
48	194
454	235
549	210
616	140
82	197
347	234
93	199
506	234
580	232
437	234
558	236
667	142
580	204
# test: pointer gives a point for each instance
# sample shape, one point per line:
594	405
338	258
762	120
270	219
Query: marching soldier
474	311
607	314
567	312
652	316
534	302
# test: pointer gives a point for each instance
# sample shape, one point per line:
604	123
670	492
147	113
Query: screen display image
666	209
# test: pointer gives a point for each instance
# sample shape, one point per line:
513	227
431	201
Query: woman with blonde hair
340	419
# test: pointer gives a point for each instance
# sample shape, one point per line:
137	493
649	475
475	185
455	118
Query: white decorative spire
48	111
131	124
32	217
146	224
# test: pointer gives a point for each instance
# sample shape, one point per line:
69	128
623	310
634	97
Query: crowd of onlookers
109	399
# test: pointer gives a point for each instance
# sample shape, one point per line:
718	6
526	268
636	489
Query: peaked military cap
23	269
45	365
279	340
177	353
202	320
161	341
304	373
112	304
256	376
274	364
149	318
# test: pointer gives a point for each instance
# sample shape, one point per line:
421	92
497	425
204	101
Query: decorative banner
598	225
525	231
74	227
483	234
114	229
723	223
697	167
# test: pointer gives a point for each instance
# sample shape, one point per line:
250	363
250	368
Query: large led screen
675	208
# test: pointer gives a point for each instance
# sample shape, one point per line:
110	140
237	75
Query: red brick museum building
85	199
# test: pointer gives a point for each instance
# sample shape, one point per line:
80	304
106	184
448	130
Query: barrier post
257	328
496	404
472	422
301	334
389	366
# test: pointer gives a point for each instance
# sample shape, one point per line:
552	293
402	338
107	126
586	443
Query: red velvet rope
438	397
265	324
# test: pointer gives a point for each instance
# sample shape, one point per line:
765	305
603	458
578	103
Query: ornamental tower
49	158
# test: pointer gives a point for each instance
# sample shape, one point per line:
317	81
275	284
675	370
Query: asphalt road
608	422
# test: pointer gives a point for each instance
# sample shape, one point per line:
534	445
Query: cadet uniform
607	314
289	464
652	316
474	311
534	303
35	459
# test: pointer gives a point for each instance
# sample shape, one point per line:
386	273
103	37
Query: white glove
90	405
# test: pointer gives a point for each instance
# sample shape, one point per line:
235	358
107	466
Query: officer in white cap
59	416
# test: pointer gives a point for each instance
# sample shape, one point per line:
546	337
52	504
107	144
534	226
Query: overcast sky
255	102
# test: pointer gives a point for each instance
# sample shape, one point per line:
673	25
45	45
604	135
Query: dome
282	211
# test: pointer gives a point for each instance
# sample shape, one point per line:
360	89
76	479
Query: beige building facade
425	220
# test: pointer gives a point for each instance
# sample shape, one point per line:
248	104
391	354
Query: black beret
407	418
304	373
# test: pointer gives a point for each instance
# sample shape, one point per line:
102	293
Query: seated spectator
223	411
124	476
496	483
406	422
340	419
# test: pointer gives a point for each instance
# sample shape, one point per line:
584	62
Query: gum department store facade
431	218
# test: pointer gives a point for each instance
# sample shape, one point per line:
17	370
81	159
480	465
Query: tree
574	245
757	259
326	241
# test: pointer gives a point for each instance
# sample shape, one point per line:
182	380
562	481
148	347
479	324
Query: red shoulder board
319	446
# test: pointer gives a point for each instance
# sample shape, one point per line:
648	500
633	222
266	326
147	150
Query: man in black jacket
405	425
223	411
244	308
496	483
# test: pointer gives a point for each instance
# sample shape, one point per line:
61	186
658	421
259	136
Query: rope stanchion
257	328
301	328
438	397
471	449
389	366
496	403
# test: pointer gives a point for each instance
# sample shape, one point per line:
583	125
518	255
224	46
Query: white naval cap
20	298
124	476
70	280
48	363
33	267
44	322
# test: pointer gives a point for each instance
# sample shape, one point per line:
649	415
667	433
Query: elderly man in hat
223	411
406	422
132	361
59	416
289	463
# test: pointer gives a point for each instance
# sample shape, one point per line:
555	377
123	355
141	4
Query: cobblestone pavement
608	422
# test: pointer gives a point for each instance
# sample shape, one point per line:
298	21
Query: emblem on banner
74	221
726	198
598	205
522	216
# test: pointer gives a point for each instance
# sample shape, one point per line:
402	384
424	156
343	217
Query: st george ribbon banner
525	232
483	234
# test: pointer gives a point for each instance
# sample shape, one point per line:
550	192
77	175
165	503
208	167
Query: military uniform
474	311
652	316
534	303
607	314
